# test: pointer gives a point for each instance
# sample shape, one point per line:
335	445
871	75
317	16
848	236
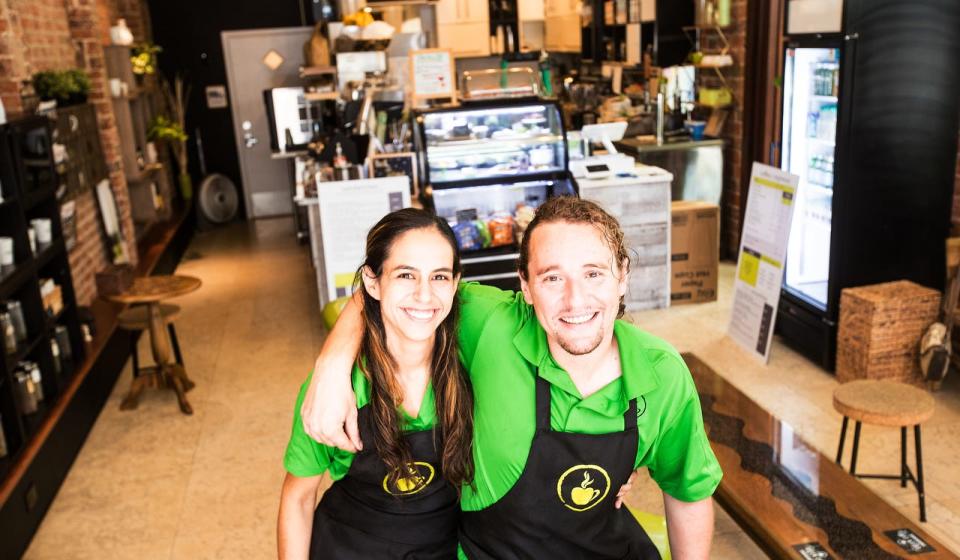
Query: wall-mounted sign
216	97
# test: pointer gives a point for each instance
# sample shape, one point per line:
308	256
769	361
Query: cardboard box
694	251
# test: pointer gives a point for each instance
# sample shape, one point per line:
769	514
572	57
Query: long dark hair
453	394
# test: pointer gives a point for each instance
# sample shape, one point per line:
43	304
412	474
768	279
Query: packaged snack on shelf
468	236
484	233
523	216
501	230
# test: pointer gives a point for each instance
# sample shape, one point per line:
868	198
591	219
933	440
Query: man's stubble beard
569	348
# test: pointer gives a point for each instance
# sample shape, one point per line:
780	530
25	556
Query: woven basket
880	330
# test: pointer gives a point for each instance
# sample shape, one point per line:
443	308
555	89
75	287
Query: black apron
362	515
563	504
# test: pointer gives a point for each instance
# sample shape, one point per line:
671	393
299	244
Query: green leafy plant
68	86
175	96
163	129
144	59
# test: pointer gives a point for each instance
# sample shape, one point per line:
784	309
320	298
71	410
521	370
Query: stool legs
843	436
134	355
856	448
905	474
175	343
903	457
920	492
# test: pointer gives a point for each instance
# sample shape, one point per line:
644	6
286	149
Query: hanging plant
144	59
67	87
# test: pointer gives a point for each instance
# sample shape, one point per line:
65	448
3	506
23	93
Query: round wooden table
150	291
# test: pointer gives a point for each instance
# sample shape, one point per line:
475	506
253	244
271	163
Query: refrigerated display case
868	122
487	166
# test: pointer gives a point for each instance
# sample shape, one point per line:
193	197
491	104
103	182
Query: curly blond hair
575	210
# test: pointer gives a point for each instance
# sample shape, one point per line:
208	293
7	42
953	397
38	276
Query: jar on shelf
120	34
8	333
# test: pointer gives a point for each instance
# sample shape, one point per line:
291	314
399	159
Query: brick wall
40	35
733	128
956	196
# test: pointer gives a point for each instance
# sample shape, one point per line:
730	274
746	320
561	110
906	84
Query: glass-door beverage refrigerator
868	121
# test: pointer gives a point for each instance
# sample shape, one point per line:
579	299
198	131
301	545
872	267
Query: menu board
432	74
348	209
763	248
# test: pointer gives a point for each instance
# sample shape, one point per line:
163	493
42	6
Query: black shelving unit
29	181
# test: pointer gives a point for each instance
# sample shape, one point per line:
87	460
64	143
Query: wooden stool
137	319
885	403
151	291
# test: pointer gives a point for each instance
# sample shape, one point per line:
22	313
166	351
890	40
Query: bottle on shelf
8	333
26	392
4	450
15	310
55	353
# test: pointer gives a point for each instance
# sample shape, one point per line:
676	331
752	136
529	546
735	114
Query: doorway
258	60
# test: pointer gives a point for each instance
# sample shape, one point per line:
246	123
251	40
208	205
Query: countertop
643	144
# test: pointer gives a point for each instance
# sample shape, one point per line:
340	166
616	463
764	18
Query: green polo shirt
501	345
305	457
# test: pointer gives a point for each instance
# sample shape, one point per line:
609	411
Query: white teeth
578	319
420	314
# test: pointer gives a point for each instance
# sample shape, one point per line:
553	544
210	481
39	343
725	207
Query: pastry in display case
488	166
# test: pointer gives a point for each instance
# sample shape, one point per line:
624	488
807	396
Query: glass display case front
489	216
492	143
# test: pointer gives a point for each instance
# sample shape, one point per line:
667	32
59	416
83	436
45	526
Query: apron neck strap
543	407
630	416
543	403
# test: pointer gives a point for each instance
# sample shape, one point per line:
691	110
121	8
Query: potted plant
67	87
173	130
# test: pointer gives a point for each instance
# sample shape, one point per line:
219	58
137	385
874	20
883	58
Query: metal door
255	61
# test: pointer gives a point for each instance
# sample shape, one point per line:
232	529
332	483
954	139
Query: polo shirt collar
531	342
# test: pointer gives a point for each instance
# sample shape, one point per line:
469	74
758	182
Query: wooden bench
794	501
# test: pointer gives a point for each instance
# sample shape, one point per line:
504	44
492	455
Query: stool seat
136	318
883	403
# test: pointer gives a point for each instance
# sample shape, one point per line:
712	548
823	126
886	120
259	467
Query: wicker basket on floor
880	330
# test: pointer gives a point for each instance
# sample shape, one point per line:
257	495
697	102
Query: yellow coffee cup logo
417	476
583	486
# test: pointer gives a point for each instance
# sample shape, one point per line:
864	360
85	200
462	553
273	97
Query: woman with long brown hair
398	498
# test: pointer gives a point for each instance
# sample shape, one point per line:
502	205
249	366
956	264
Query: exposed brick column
12	59
730	202
85	33
956	196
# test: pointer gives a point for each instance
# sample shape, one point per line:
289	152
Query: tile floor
154	484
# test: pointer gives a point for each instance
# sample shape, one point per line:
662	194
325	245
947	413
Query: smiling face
574	285
416	286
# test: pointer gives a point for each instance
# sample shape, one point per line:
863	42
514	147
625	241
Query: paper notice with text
763	249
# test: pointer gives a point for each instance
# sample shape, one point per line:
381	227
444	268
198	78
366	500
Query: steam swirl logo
582	487
418	476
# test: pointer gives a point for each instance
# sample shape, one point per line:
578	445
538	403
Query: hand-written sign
432	73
